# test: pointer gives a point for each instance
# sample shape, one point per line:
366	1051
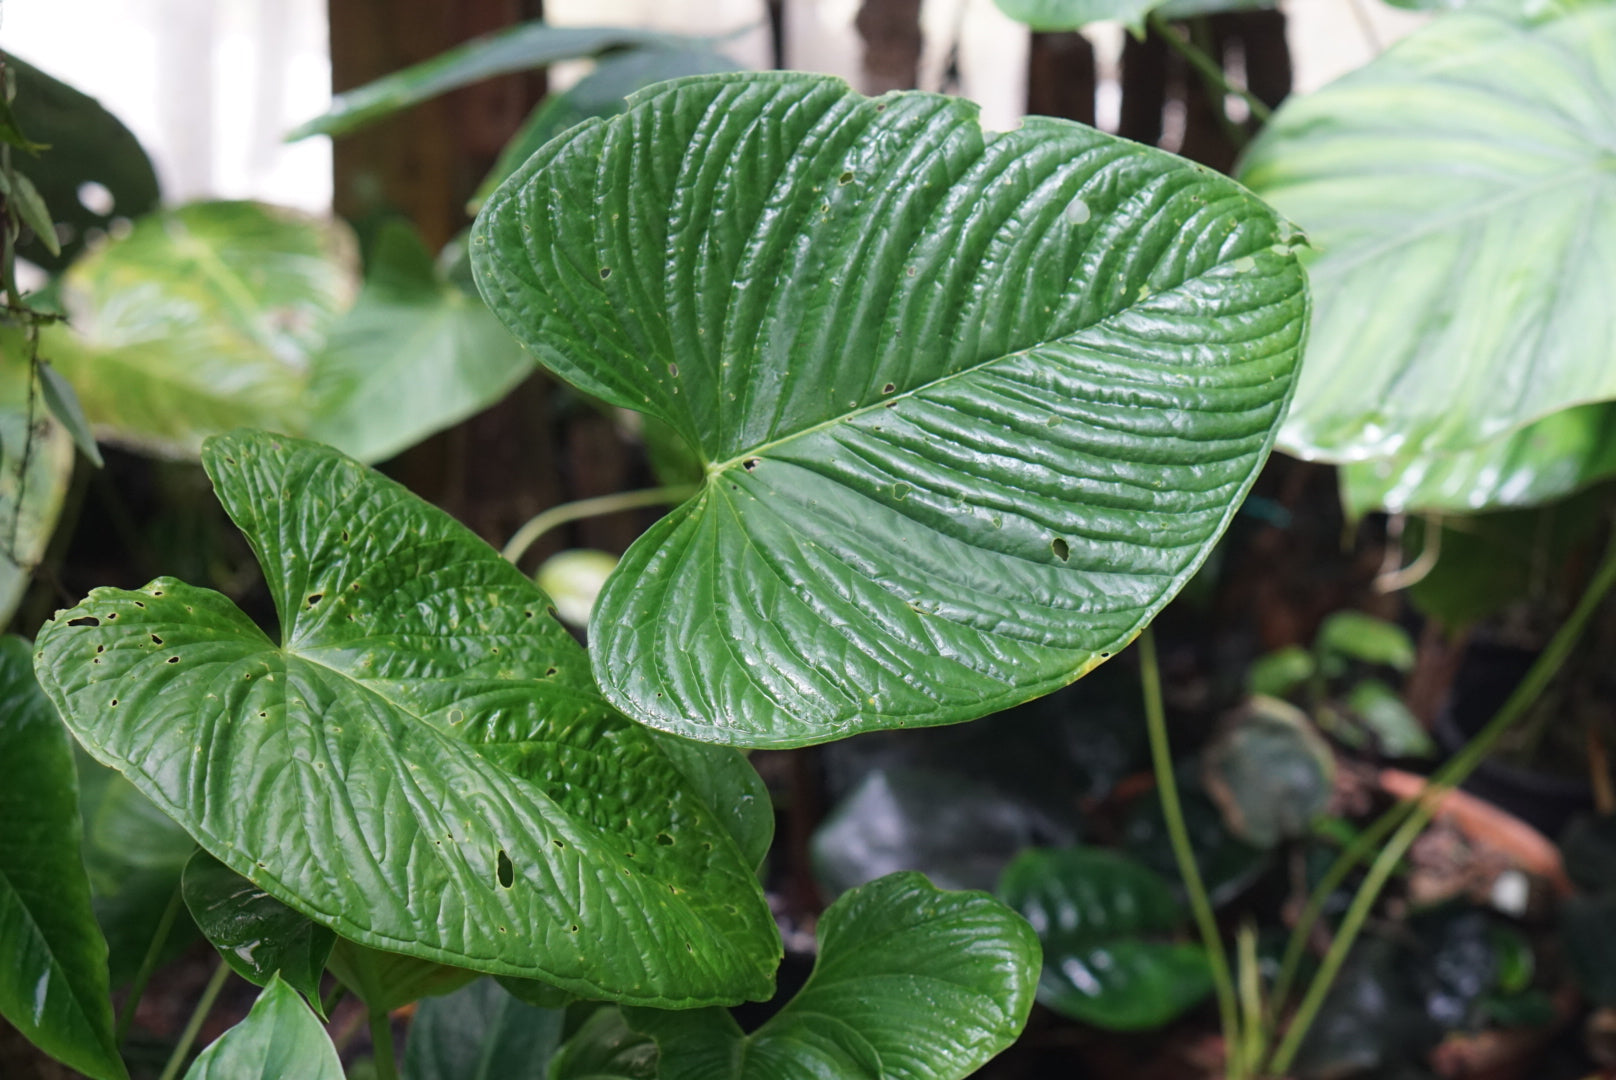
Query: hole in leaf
86	620
664	839
506	872
845	178
605	272
139	605
315	598
111	615
1061	548
900	491
344	536
749	464
549	671
102	648
573	929
173	659
155	640
559	845
673	369
889	387
114	703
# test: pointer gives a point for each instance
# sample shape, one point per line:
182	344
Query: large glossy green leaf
202	319
414	355
257	935
972	407
421	761
86	146
278	1040
480	1032
521	48
1103	920
36	466
911	983
1455	188
53	981
1534	464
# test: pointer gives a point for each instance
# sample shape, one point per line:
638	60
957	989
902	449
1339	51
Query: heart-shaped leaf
480	1032
1103	920
279	1038
257	935
912	983
53	983
1456	189
971	407
422	762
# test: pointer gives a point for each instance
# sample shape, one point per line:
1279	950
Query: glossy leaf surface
972	407
279	1039
912	983
53	982
421	762
89	151
1102	919
257	935
1455	189
1534	464
414	355
480	1032
521	48
204	318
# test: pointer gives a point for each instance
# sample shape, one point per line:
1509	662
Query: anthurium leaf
911	983
29	505
279	1038
421	762
605	1048
1531	465
521	48
1270	773
1454	187
414	355
53	983
480	1032
1104	921
972	407
202	319
257	935
600	93
90	151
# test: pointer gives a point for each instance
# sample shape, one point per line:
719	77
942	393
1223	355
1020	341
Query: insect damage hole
86	620
504	870
315	598
1061	548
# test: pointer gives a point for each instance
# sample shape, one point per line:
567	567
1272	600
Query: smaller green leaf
34	213
10	131
1056	15
1270	773
385	981
29	504
256	934
279	1039
481	1032
1397	731
573	579
63	403
53	980
521	48
912	983
1278	673
605	1048
1102	919
1356	636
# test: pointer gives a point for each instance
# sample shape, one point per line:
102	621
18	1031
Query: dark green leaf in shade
911	983
414	355
90	151
53	980
520	48
600	93
1228	865
534	992
63	403
1588	930
480	1032
1353	635
1454	188
257	935
1281	671
1104	921
280	1039
422	761
1372	1022
972	407
1269	772
202	319
604	1048
385	981
1588	849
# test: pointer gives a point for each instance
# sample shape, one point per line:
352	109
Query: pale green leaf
53	981
279	1039
480	1032
29	504
421	761
1056	15
33	212
1456	190
1105	923
972	407
911	983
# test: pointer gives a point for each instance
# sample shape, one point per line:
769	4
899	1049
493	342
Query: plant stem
381	1041
530	533
148	964
1251	1003
1210	69
1161	755
1416	814
331	1000
193	1026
